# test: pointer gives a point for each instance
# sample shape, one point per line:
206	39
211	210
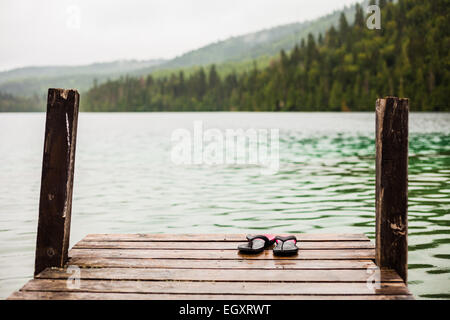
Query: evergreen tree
359	16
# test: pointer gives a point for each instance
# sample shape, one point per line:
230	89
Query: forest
10	103
345	69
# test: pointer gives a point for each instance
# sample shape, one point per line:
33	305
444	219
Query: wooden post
55	205
392	184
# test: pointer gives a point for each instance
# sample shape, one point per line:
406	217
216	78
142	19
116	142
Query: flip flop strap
250	238
284	239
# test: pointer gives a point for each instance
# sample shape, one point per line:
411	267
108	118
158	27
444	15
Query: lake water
125	182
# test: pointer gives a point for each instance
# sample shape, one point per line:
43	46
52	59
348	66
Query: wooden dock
200	266
209	266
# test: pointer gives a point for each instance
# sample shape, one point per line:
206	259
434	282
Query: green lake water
125	182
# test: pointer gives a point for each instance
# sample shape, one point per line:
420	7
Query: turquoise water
126	182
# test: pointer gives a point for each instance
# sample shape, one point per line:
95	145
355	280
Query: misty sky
70	32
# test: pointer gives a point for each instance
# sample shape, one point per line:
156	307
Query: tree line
345	69
10	103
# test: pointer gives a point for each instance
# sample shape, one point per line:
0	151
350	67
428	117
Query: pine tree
359	16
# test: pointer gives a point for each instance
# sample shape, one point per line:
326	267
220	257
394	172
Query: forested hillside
236	52
30	81
266	42
347	68
10	103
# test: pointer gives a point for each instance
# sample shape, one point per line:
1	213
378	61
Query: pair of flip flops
284	246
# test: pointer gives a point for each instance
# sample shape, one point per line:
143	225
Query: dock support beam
55	204
392	184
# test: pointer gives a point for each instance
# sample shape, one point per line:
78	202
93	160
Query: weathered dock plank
215	245
228	275
328	254
95	262
65	295
213	287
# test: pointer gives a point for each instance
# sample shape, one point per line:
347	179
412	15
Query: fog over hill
29	81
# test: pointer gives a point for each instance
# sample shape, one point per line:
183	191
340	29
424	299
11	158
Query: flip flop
285	246
257	244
